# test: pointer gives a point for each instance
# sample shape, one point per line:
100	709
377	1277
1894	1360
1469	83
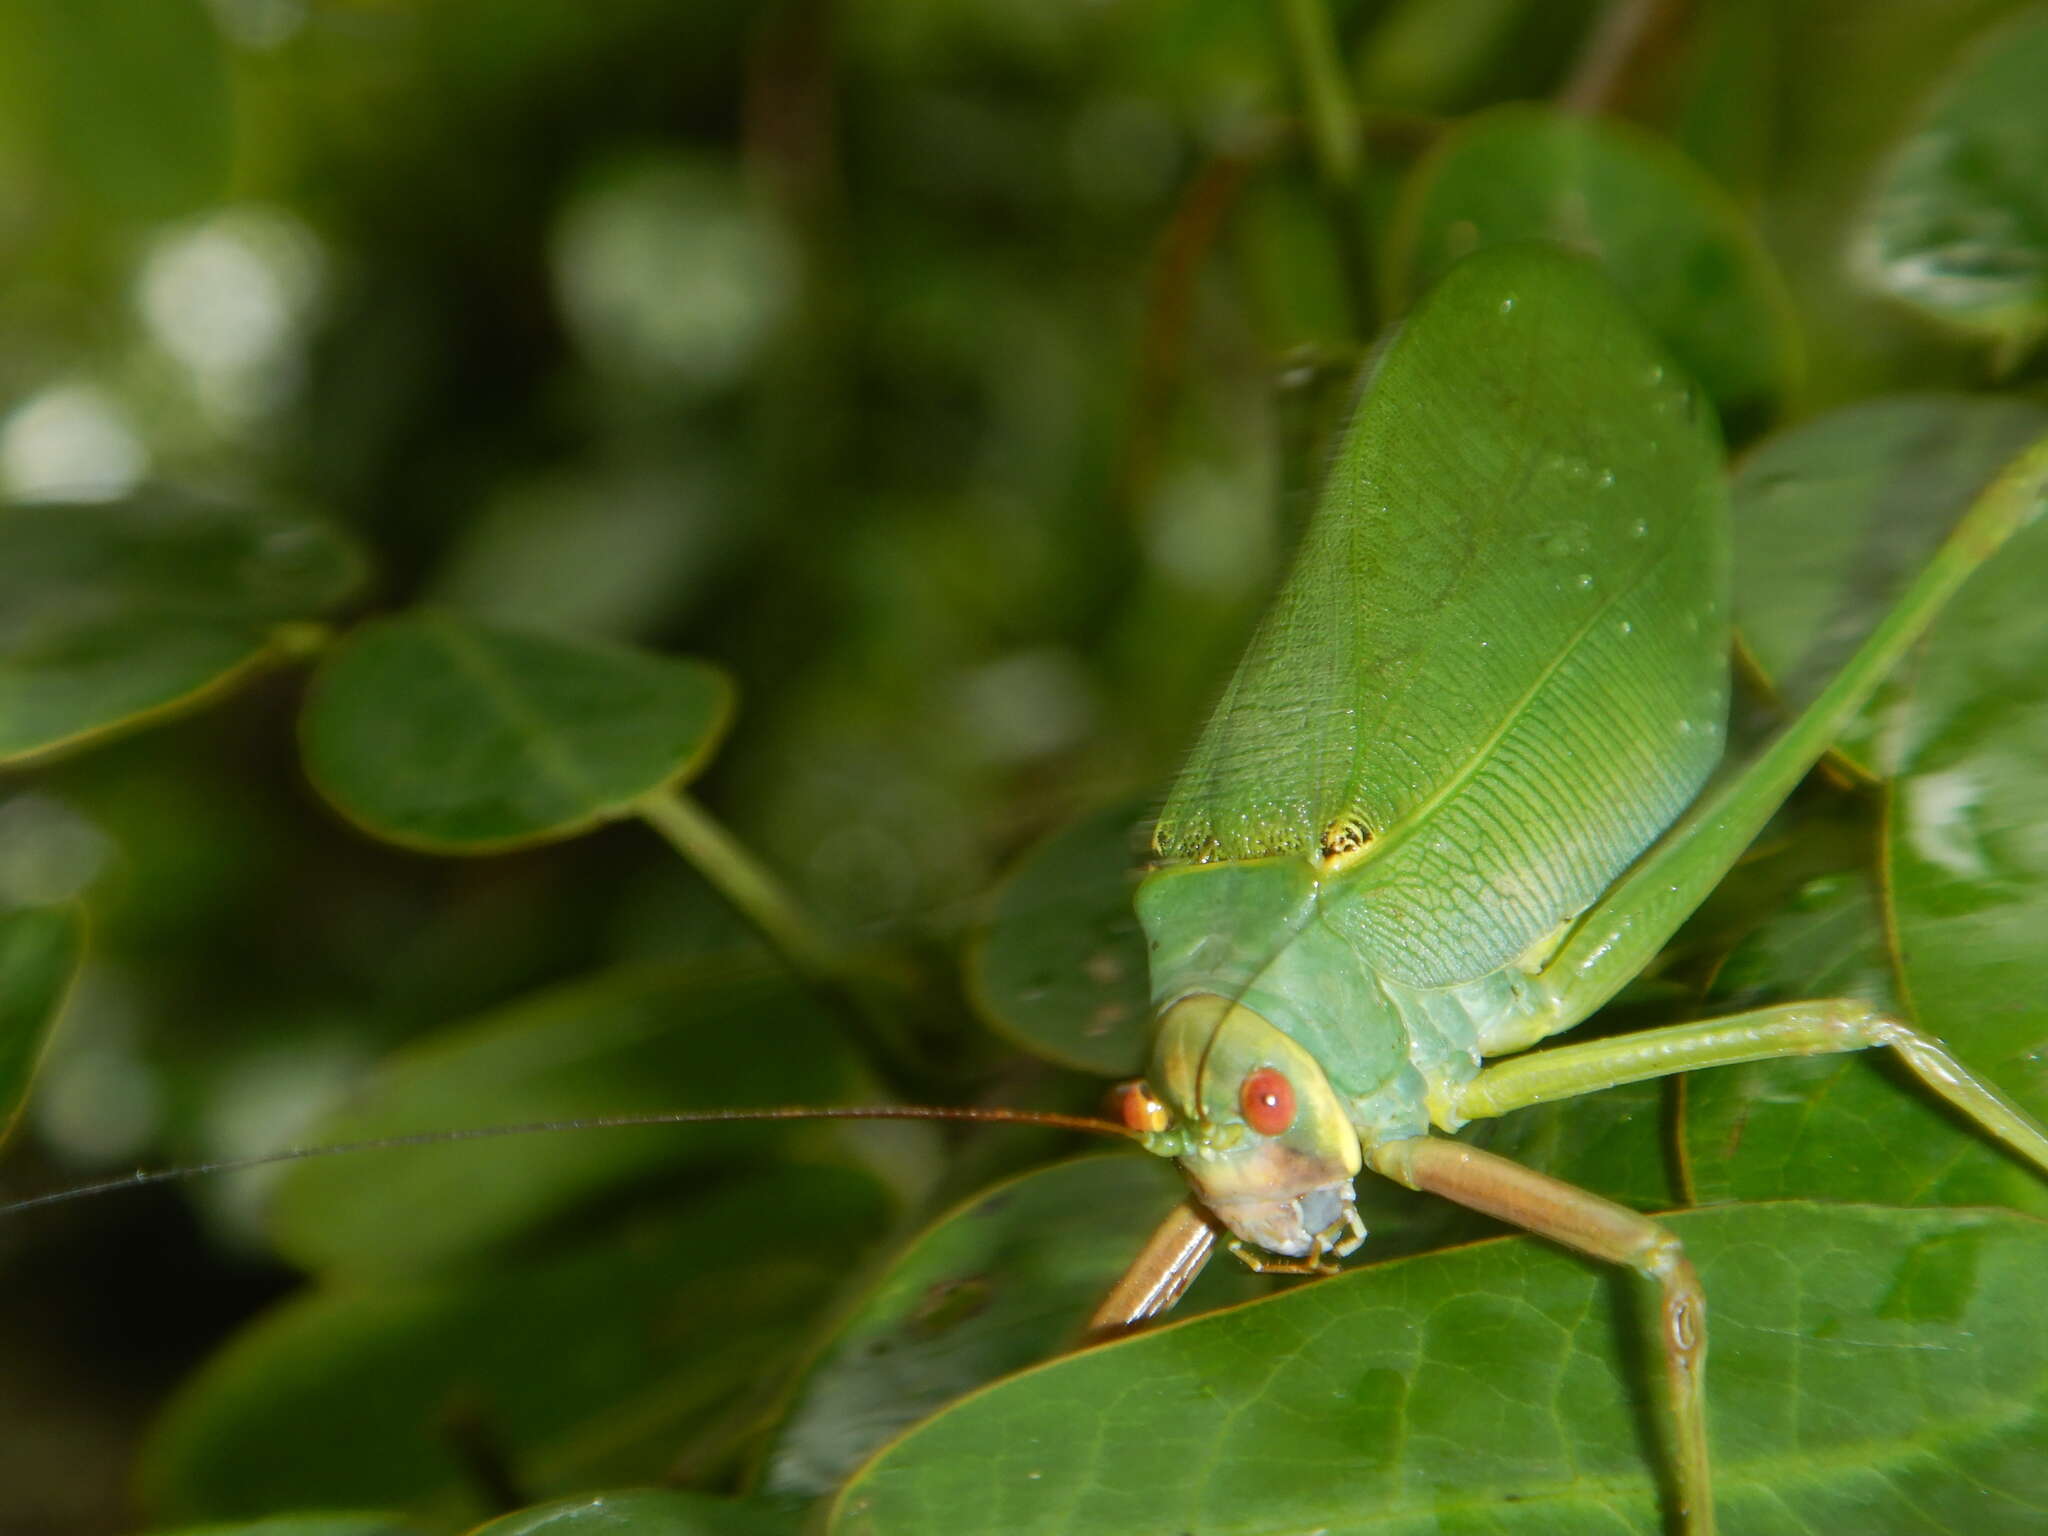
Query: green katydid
1414	836
1426	826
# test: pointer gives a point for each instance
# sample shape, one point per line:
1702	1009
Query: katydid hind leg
1612	942
1818	1028
1590	1224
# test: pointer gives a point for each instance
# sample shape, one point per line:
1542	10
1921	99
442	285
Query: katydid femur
1440	813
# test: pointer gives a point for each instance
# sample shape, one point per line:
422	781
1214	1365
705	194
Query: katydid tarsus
1457	795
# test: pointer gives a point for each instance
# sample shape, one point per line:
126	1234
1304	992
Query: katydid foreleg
1160	1275
1599	1228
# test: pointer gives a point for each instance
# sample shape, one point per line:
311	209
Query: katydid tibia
1457	795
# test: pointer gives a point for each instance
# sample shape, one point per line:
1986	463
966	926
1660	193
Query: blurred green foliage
952	377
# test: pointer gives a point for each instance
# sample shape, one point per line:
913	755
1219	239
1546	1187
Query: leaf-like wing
1498	668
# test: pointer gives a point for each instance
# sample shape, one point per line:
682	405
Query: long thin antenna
144	1177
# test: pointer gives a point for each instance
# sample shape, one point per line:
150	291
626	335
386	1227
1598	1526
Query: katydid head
1254	1125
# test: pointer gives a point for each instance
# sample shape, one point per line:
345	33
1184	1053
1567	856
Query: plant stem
740	878
1628	35
1335	140
821	963
300	639
1332	119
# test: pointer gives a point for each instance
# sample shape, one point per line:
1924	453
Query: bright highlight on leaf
1965	860
1958	226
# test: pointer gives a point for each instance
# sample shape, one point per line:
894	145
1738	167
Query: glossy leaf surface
1966	864
1834	517
113	613
1674	243
1003	1282
1958	225
648	1512
39	954
1499	654
444	732
1872	1368
590	1364
712	1035
1850	1127
1061	967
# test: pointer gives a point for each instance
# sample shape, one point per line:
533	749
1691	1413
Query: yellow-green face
1254	1125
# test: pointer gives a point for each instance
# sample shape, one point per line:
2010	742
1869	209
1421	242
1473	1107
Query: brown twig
1628	35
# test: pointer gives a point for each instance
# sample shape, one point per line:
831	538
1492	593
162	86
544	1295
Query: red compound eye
1267	1099
1139	1109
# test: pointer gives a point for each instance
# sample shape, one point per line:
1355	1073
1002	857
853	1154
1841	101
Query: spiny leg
1584	1221
1795	1029
1160	1275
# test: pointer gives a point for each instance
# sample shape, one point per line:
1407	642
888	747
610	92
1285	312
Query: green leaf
1003	1281
1430	55
591	1363
130	98
459	736
1611	1142
40	948
1674	243
319	1524
713	1035
1289	264
1966	865
649	1512
1872	1370
1843	1127
113	614
1728	78
1958	225
1833	518
1061	967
